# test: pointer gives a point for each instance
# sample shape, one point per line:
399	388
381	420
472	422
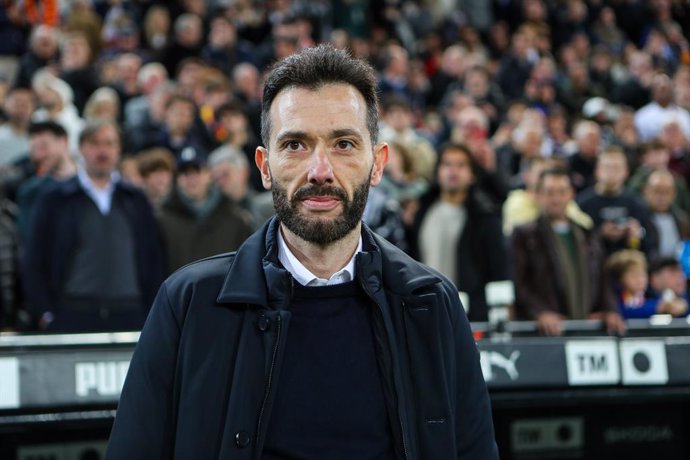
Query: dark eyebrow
346	132
292	135
302	135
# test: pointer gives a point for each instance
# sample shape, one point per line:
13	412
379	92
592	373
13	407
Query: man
230	171
671	225
526	145
398	125
43	51
150	77
93	260
619	215
14	137
239	135
156	167
301	345
197	220
457	229
656	156
650	118
49	153
522	207
558	265
178	131
587	136
188	35
471	128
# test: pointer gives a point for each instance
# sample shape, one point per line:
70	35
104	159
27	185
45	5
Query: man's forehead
555	182
294	94
328	105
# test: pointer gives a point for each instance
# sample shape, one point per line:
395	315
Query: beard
317	230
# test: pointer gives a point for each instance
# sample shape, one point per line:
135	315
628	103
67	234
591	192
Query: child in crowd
628	269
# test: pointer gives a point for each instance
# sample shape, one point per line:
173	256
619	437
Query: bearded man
317	338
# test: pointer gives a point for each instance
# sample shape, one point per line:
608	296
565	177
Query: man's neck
323	261
100	181
456	197
557	220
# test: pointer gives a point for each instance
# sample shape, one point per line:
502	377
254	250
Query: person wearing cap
93	259
197	220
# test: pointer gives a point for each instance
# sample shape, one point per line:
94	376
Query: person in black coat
457	230
93	260
317	338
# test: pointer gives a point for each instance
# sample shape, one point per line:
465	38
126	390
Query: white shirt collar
305	277
103	197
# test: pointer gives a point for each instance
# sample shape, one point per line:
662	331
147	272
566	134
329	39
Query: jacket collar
257	278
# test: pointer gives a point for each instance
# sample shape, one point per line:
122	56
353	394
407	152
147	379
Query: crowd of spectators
526	137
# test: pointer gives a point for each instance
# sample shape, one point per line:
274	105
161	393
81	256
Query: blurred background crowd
543	142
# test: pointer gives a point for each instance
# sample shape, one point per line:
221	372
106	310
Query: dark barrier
584	395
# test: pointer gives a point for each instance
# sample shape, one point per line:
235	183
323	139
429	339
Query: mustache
319	190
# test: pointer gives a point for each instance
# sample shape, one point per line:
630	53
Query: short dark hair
92	127
458	147
654	144
155	159
47	126
395	101
314	68
555	171
177	97
659	263
231	107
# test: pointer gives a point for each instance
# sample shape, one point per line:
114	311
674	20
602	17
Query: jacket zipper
269	380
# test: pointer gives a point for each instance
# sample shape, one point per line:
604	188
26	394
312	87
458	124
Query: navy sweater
329	402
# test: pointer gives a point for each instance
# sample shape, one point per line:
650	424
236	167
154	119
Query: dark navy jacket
53	236
203	375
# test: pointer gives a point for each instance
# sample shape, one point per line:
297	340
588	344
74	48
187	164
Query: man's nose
320	167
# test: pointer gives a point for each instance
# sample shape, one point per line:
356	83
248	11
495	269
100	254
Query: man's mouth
321	203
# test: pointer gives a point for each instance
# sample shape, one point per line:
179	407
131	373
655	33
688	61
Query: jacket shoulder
526	229
206	274
403	273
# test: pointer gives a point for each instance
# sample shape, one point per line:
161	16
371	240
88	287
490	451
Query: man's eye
293	145
345	145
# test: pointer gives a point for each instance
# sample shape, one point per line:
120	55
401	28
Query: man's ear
261	159
380	160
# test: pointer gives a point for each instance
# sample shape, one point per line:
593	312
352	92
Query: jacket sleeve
145	422
605	299
474	424
496	250
528	302
37	263
151	243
